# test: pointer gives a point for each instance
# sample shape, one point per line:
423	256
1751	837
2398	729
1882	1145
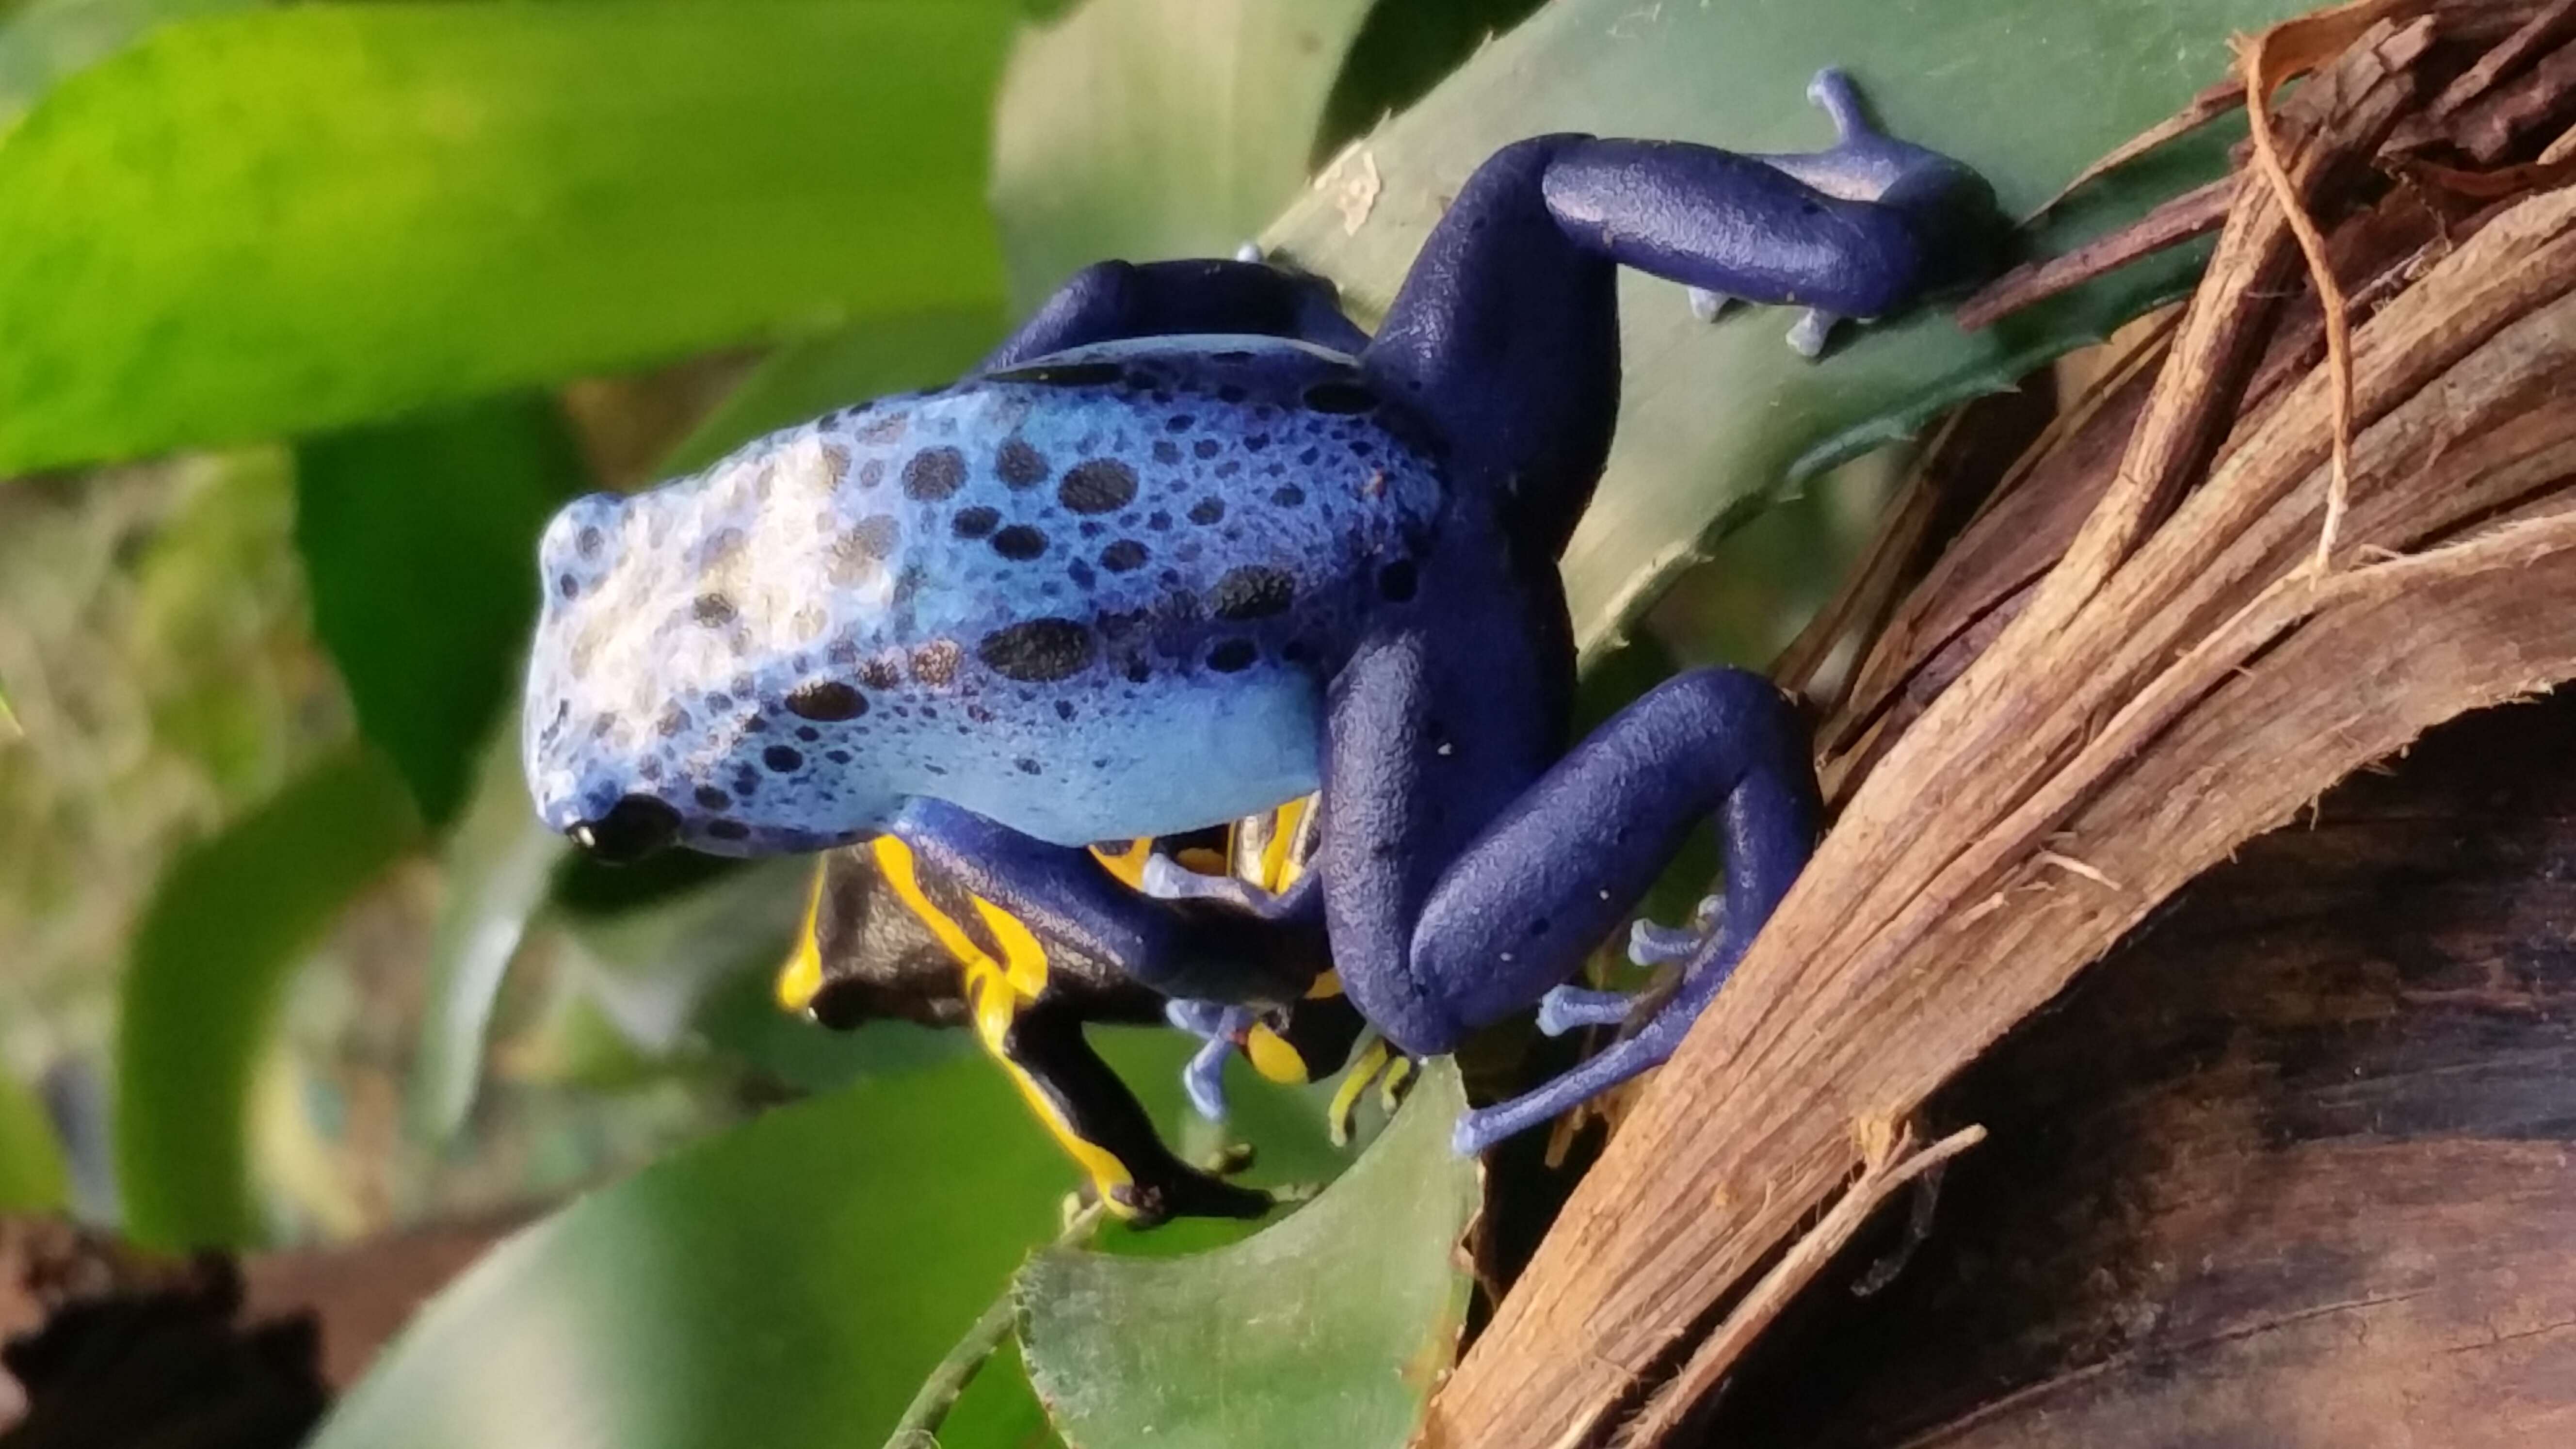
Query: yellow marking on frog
997	990
1279	870
1325	986
1126	862
801	979
1372	1060
1200	859
1273	1057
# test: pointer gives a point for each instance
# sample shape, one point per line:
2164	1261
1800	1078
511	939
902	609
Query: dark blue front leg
1115	301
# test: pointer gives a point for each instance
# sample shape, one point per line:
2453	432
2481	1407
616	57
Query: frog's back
1041	588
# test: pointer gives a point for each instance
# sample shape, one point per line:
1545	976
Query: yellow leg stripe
801	979
1278	871
1127	862
997	990
1355	1085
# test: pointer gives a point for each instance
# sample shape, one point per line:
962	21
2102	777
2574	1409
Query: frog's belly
1189	754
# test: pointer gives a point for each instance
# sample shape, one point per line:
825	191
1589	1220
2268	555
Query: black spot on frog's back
1037	651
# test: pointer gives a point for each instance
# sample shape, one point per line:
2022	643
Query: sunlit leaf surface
288	219
1328	1328
785	1284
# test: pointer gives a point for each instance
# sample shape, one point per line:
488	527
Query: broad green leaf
497	864
1329	1327
806	379
420	541
786	1284
1139	129
33	1178
286	220
1715	418
43	41
230	920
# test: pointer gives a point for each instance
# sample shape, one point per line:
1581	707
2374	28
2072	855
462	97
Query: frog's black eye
634	827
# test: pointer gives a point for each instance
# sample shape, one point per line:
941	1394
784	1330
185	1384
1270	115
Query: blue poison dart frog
884	937
1189	545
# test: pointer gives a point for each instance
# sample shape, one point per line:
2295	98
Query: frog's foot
1712	960
1219	1028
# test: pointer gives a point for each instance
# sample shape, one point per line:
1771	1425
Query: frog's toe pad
1808	335
1568	1008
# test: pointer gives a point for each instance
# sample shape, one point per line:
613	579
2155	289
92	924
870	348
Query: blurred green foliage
428	268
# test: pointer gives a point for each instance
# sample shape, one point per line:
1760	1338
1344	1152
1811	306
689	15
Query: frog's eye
634	827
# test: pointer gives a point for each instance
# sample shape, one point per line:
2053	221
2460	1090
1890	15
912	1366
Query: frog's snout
635	827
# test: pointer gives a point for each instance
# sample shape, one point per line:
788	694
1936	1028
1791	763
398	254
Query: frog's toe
1653	945
1807	337
1833	93
1708	305
1204	1079
1568	1008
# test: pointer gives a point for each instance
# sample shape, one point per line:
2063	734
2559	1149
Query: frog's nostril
635	827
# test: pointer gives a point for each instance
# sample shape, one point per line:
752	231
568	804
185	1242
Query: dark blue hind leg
1512	915
1505	335
1115	301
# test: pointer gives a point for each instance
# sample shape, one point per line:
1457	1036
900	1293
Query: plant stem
919	1426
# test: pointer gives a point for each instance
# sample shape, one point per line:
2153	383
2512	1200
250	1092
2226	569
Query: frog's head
678	688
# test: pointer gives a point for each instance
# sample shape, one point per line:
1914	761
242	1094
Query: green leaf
498	864
286	220
1330	1327
806	379
1140	129
1716	418
419	540
787	1283
33	1178
230	920
43	41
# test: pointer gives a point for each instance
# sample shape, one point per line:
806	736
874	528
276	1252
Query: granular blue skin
1108	583
1150	571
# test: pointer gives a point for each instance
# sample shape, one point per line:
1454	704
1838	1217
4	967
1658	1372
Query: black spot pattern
1018	464
711	798
1252	592
1165	451
1027	765
782	759
1207	510
883	672
934	474
1037	651
713	610
1232	656
1340	397
728	830
873	537
1097	485
1287	495
1124	556
828	700
975	522
1019	543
